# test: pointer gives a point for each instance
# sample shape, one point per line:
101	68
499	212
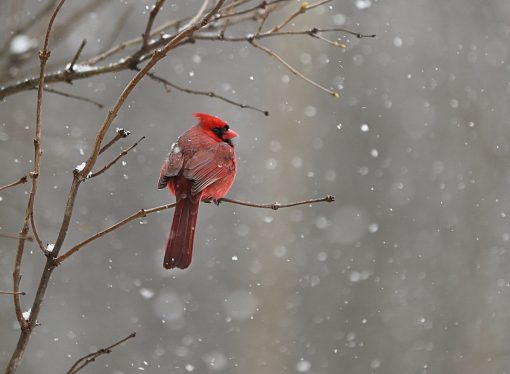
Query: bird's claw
211	200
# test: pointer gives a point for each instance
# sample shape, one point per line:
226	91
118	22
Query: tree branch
145	212
293	70
169	84
276	206
71	96
141	213
152	16
91	357
302	9
15	236
121	133
22	180
24	324
21	293
70	67
111	163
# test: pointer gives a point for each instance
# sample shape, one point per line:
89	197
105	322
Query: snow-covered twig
121	133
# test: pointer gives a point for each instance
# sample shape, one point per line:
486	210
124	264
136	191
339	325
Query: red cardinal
201	165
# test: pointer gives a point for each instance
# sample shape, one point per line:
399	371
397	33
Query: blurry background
406	273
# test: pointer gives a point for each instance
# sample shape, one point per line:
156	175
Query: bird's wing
172	166
208	166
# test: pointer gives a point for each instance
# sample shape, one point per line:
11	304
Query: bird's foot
211	200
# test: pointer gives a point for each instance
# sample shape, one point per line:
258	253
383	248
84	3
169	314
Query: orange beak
229	134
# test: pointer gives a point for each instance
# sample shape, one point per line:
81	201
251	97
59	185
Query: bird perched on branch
201	166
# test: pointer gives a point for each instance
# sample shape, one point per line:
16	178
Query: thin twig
327	41
212	94
276	206
25	325
141	213
262	22
72	96
122	46
145	212
345	31
152	16
121	133
302	9
263	5
22	180
293	70
70	67
21	293
112	162
91	357
15	236
44	55
246	38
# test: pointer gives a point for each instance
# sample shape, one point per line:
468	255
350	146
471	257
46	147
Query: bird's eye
226	127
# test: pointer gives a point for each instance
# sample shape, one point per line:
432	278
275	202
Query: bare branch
70	67
141	213
346	31
169	84
25	325
62	76
22	180
316	35
122	46
111	163
21	293
91	357
152	16
72	96
121	133
293	70
15	236
145	212
36	235
227	11
276	206
44	55
246	38
302	9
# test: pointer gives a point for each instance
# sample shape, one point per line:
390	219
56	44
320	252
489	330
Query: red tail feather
179	247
